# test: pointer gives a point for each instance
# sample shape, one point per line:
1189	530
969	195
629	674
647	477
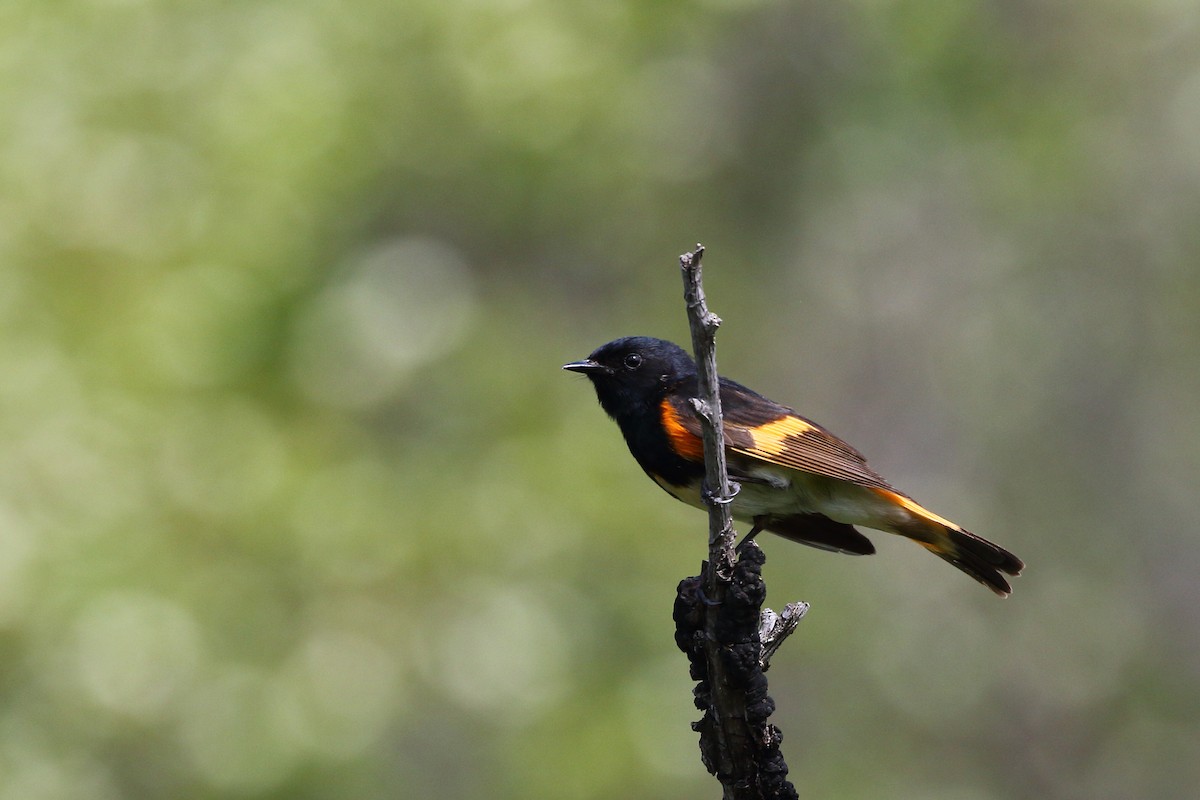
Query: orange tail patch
912	506
984	561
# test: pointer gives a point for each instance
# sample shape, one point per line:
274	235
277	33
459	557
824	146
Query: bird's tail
976	556
984	561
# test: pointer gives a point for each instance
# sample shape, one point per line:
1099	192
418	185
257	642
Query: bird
795	478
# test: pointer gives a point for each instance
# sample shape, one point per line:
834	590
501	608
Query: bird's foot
710	497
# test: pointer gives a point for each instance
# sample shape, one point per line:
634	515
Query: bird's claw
711	499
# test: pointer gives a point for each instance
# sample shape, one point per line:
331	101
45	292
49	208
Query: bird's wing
761	429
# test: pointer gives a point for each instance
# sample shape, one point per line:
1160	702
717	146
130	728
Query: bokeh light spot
504	650
344	690
136	652
398	305
233	731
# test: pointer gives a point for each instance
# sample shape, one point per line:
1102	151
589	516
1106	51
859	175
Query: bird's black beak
586	366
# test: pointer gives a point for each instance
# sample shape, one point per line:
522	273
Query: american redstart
795	478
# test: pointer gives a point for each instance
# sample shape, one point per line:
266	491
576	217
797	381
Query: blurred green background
295	501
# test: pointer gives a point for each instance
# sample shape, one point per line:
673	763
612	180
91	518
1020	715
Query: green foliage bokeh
295	501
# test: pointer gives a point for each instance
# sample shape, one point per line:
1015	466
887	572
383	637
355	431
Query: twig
717	615
703	324
774	628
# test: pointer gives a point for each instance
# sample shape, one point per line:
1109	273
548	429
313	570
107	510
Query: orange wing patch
791	441
760	429
683	441
771	439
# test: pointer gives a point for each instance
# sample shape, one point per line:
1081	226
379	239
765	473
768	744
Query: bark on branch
718	618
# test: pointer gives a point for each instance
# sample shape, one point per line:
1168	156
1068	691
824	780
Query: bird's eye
633	361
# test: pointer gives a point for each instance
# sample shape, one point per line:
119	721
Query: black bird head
634	372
